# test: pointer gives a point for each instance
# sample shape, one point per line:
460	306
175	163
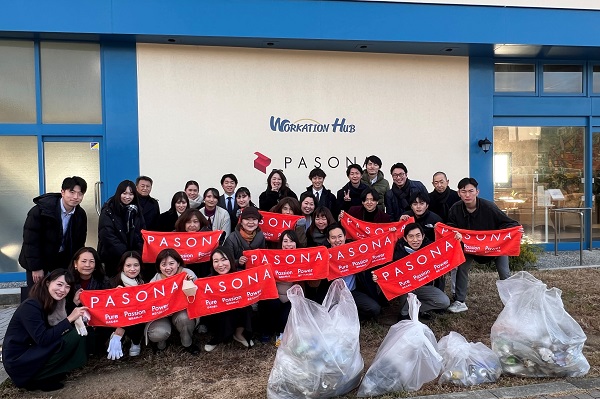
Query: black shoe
425	316
45	385
193	349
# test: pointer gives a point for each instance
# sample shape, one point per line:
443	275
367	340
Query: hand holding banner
193	247
292	264
232	291
358	229
122	307
487	242
273	224
420	267
361	255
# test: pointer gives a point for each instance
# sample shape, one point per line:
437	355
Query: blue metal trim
120	115
38	81
539	121
563	246
11	277
481	98
49	130
41	174
587	176
555	106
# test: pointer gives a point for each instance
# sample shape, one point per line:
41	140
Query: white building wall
205	111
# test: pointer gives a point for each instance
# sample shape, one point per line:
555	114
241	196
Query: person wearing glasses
277	188
397	199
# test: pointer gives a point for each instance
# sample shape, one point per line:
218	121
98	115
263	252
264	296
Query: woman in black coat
41	345
179	204
120	226
277	189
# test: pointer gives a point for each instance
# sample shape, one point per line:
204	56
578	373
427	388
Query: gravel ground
547	260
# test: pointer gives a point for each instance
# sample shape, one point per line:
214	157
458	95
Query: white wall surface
566	4
205	111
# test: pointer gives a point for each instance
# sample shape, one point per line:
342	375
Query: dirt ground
231	371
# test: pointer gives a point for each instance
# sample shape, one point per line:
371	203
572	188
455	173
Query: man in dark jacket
227	200
473	213
349	195
442	197
323	196
55	228
397	198
150	208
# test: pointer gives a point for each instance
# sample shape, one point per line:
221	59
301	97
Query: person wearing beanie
246	236
373	177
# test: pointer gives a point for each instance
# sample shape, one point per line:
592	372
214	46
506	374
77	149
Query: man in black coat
323	196
55	228
442	197
150	208
349	195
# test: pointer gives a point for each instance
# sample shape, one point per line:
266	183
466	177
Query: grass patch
231	371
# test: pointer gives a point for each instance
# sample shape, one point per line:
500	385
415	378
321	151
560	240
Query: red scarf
292	264
487	242
122	307
273	224
358	229
361	255
420	267
193	247
233	290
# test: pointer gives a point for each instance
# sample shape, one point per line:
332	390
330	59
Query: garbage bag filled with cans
319	355
467	363
534	336
407	358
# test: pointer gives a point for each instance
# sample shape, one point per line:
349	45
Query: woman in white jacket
218	218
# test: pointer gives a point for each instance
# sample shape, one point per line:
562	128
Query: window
596	79
514	77
17	82
563	78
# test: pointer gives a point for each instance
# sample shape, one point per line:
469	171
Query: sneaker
278	340
457	307
209	348
243	341
135	350
161	345
202	329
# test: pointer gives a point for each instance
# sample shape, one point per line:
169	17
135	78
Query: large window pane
20	184
596	79
514	77
537	169
17	82
71	83
563	78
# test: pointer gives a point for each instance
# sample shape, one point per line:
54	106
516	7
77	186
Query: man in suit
227	200
324	197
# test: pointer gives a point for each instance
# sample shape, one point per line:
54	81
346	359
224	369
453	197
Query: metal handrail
579	211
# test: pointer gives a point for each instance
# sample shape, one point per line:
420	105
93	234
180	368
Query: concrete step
10	296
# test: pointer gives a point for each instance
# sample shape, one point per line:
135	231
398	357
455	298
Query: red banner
292	264
357	229
487	242
122	307
193	247
361	255
420	267
273	224
233	290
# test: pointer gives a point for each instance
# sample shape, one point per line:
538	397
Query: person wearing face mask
369	211
120	226
246	236
41	344
88	274
168	264
431	298
374	178
179	203
323	196
277	189
234	324
218	218
349	195
397	199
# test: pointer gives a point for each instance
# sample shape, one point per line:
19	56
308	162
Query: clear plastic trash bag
319	355
534	336
407	358
467	363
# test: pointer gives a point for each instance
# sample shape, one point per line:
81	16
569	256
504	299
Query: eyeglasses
398	174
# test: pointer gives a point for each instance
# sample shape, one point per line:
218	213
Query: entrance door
65	157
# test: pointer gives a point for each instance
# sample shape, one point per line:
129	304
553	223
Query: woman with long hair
316	232
179	203
243	199
192	220
119	226
218	218
37	353
277	188
291	206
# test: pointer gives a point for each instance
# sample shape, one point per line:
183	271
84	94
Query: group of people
59	265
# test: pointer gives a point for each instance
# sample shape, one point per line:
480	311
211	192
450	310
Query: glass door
65	157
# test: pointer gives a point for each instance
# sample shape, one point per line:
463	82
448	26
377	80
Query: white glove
86	316
115	350
80	327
